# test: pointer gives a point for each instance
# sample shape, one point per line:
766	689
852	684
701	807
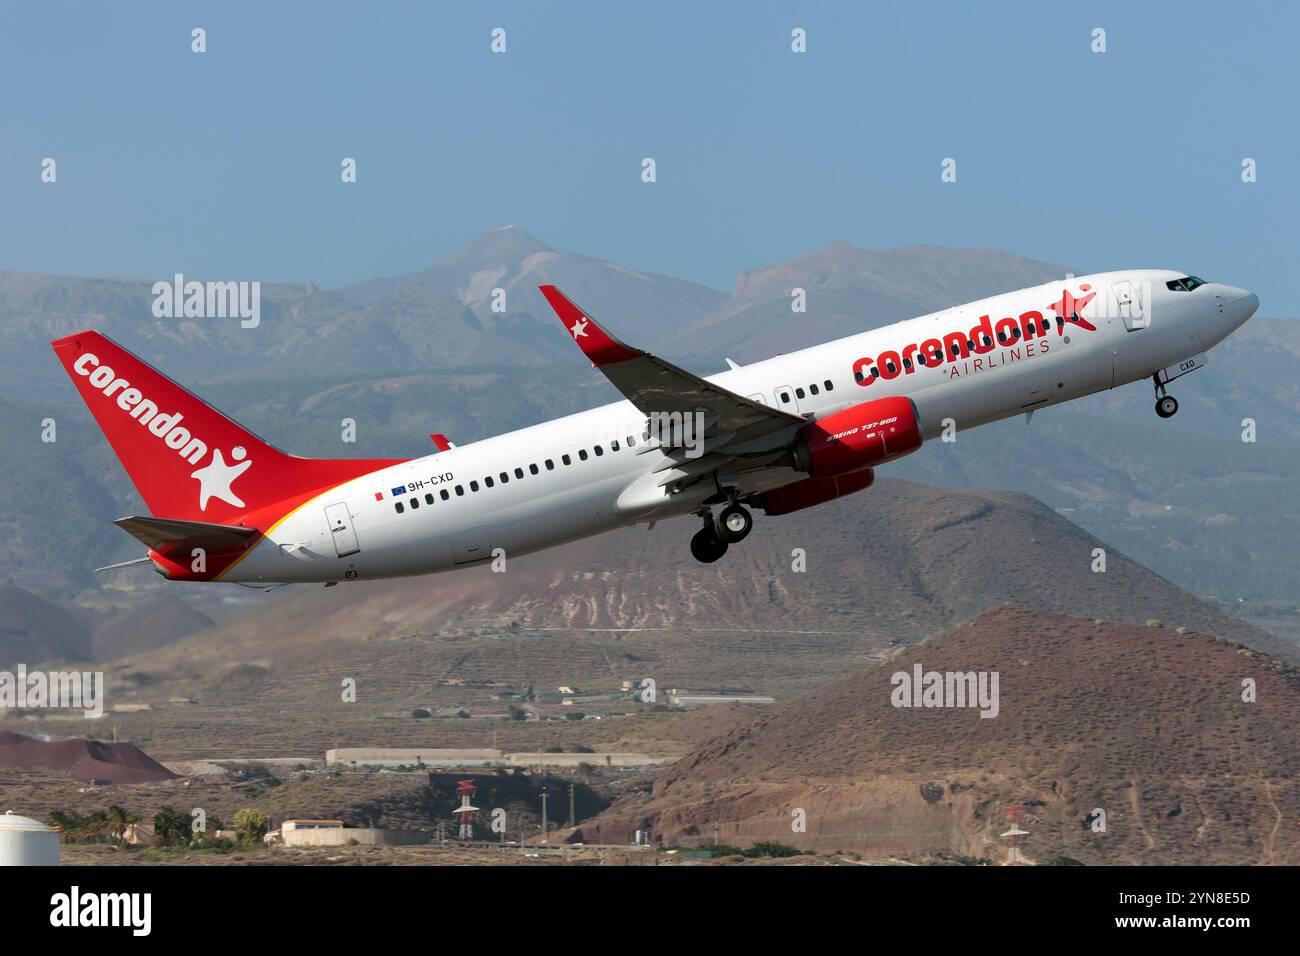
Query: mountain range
406	356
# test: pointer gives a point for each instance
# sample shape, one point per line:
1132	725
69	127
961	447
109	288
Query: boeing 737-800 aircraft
780	435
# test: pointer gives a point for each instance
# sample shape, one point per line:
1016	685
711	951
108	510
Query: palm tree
96	826
118	821
66	822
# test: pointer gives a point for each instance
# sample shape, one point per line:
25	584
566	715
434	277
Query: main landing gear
1166	405
731	526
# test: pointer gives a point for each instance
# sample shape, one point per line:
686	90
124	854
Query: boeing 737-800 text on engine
780	435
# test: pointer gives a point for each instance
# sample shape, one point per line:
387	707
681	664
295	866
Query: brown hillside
82	758
35	631
893	563
1142	722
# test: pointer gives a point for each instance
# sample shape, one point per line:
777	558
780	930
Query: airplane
779	435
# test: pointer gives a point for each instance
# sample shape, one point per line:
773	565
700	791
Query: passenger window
550	465
598	450
486	481
830	387
415	503
505	477
398	506
428	498
813	389
645	437
582	454
444	494
473	485
631	442
532	469
858	376
613	446
785	398
460	491
799	393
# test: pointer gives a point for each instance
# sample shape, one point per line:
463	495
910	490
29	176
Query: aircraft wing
655	386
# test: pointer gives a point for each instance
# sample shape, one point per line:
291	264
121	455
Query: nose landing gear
1166	405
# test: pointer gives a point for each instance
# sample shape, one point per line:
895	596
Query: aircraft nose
1242	306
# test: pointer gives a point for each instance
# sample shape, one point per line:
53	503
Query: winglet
439	439
597	344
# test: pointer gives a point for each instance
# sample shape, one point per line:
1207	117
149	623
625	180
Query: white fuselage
559	502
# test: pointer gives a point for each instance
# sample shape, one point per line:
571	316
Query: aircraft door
341	530
786	399
1129	305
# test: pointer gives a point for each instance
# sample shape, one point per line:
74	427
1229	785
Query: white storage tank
27	842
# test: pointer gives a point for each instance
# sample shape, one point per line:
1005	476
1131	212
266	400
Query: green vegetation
102	826
252	825
171	827
762	849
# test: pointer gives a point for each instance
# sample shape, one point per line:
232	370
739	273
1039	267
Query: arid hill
884	568
35	631
82	758
891	564
1145	724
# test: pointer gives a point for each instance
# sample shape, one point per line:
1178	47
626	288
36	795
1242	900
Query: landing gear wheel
1166	406
707	547
734	524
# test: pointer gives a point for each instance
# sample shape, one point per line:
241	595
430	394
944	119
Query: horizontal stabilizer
133	563
152	532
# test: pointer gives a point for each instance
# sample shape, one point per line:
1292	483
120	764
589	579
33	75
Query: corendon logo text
1030	328
215	479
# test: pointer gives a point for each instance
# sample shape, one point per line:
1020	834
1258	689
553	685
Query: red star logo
1069	306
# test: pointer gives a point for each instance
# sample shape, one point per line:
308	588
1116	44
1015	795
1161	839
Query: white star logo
579	329
215	480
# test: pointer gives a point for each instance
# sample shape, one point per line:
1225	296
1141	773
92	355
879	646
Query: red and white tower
465	812
1014	835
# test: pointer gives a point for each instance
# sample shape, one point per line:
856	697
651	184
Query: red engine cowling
815	491
858	437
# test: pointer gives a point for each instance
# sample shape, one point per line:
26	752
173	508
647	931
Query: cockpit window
1185	284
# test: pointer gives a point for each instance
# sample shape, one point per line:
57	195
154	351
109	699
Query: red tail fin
185	458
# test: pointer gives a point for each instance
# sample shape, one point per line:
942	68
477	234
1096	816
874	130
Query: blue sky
226	164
